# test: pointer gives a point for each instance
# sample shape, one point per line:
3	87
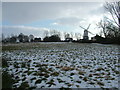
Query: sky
37	17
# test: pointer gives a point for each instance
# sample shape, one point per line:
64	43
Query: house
93	38
31	38
98	38
68	39
37	39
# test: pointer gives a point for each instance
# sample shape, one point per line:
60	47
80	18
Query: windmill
85	35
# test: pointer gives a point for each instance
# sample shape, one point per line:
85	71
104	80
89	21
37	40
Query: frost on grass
63	65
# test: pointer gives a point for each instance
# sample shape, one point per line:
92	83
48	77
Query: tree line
49	36
110	30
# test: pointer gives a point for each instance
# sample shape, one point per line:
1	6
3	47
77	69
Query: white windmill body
85	35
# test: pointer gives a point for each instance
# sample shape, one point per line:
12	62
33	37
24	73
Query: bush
4	63
7	80
53	38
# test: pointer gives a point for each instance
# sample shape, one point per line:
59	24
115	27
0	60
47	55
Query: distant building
21	37
85	35
93	38
17	40
31	38
37	39
26	38
68	39
98	38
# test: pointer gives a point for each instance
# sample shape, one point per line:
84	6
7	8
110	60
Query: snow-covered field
63	65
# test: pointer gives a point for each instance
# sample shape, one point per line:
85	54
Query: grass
99	69
24	86
63	88
55	73
4	63
9	48
7	81
38	81
78	81
85	79
100	83
51	82
90	75
33	78
60	81
67	68
12	47
117	72
25	46
47	63
107	77
23	65
24	79
81	72
72	74
29	72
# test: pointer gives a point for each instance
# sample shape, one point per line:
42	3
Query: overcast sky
36	17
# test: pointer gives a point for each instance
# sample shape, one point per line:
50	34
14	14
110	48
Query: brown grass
67	68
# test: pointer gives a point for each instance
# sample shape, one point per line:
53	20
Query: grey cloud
27	12
0	11
8	30
69	21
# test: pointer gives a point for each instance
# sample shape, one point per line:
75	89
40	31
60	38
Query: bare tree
46	33
12	35
102	24
113	31
100	33
53	32
114	9
109	30
31	38
71	34
77	36
66	35
59	33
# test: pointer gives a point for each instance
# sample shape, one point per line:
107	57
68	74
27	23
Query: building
37	39
85	35
68	39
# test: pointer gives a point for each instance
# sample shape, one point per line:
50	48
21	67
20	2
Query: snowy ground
64	65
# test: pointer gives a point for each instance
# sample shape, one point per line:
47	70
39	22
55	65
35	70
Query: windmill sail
88	26
91	33
85	35
82	28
